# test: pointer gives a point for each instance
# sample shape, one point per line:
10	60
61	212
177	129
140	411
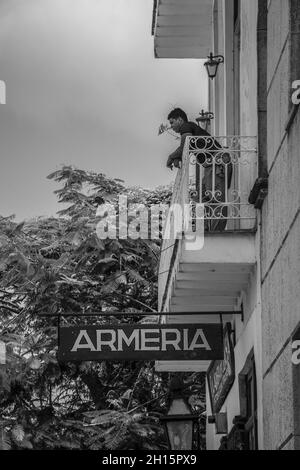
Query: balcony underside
183	28
209	287
213	278
209	280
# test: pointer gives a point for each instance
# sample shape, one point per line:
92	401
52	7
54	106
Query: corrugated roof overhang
182	29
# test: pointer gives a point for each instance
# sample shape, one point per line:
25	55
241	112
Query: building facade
238	263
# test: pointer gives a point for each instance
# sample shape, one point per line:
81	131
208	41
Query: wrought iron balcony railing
217	174
221	172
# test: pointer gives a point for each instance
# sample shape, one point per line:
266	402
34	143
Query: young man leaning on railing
216	164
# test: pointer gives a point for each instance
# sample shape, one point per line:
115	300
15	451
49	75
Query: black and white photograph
149	229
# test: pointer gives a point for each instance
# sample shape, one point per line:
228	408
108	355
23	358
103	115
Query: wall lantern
179	422
205	116
212	64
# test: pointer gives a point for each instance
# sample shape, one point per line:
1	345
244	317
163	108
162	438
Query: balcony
208	254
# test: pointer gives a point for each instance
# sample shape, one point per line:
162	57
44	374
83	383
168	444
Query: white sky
84	88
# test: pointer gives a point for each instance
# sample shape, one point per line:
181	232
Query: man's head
176	118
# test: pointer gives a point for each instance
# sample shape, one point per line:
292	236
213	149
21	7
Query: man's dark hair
178	113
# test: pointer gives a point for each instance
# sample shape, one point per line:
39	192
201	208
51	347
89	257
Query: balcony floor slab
227	249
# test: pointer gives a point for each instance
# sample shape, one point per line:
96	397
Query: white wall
248	333
250	339
248	88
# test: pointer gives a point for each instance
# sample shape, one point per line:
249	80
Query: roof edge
154	11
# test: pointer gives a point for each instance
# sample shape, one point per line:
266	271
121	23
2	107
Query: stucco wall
278	402
248	333
219	80
249	339
280	239
248	89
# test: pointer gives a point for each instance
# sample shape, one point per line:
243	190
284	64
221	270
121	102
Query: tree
51	266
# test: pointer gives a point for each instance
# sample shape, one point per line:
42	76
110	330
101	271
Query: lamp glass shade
178	406
212	68
180	434
180	431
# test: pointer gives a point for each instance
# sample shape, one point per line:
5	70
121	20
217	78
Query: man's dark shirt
197	131
192	128
213	145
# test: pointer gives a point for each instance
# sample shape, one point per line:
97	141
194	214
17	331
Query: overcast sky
84	88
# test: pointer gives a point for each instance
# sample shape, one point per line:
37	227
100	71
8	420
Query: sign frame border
228	386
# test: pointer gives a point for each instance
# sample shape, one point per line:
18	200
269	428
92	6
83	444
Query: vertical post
2	92
262	61
58	329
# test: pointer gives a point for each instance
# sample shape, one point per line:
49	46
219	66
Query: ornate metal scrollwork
218	166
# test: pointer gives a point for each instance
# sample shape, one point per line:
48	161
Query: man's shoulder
192	128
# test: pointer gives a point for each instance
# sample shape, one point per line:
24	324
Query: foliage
58	265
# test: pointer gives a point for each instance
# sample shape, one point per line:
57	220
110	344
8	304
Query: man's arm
177	154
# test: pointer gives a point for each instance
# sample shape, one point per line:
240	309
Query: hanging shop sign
221	374
125	342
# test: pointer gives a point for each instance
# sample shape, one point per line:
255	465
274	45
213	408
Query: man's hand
170	163
176	157
176	162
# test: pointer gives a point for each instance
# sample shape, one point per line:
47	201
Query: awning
182	29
